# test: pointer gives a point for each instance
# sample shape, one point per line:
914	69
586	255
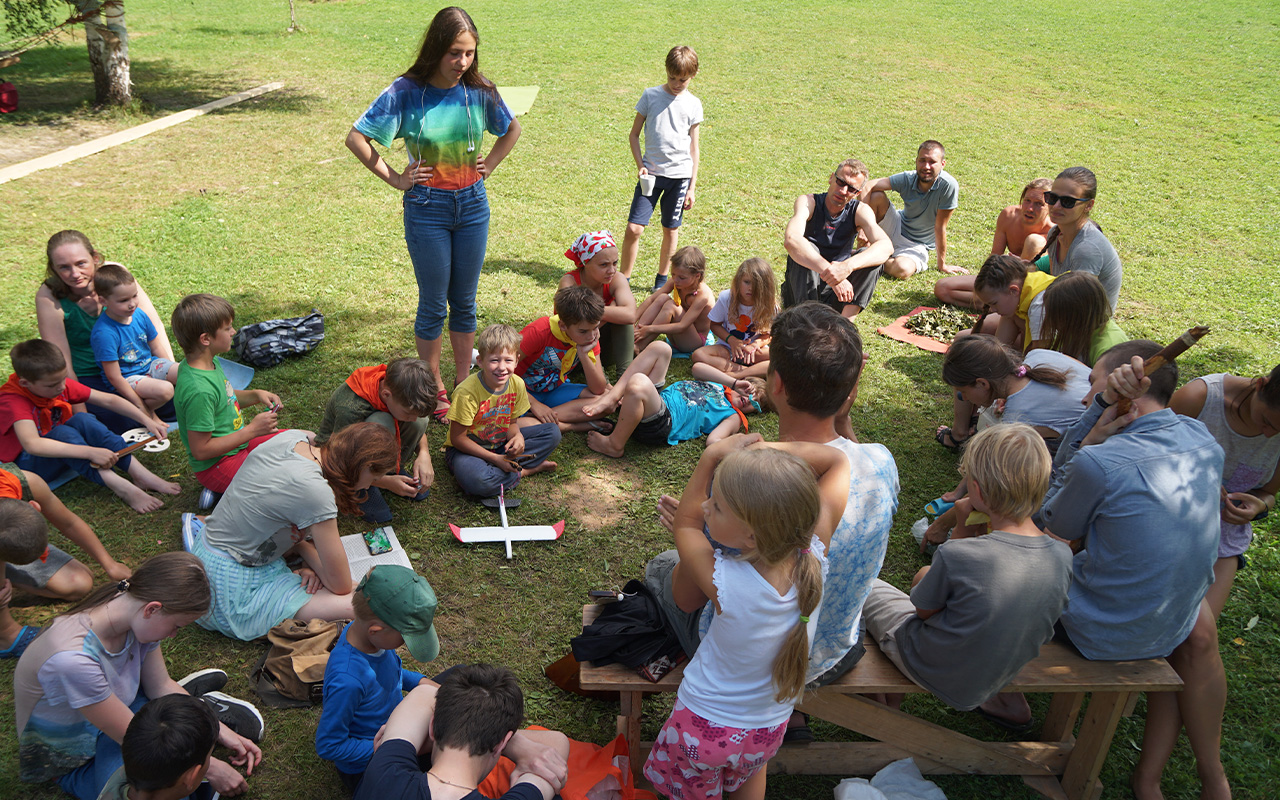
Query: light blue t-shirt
1145	502
920	209
1045	405
696	407
128	344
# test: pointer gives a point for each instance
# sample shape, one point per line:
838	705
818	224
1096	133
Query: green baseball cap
406	602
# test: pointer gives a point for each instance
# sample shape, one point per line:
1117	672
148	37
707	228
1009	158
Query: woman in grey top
284	501
1077	244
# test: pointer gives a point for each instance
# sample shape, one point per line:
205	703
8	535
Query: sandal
442	406
24	638
944	433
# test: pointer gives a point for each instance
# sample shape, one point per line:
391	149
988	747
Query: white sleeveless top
730	680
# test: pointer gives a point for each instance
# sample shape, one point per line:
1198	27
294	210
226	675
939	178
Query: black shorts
654	430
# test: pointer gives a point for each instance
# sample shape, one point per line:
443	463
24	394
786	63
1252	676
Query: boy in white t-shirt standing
668	169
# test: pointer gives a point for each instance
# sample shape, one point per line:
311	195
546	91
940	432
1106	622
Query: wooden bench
1062	764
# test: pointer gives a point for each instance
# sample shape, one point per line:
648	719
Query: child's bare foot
545	466
139	500
598	408
153	483
604	444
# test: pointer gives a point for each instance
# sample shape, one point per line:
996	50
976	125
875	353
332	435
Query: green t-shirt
206	401
1108	337
78	325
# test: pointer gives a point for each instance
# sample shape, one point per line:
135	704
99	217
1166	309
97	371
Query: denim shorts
669	193
446	232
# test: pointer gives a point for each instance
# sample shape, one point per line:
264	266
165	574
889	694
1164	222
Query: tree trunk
108	43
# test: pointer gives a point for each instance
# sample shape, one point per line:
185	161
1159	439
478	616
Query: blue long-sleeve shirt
360	692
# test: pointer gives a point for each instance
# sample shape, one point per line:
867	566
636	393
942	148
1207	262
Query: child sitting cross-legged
712	405
167	750
210	421
490	447
401	397
988	603
124	343
739	690
740	319
679	307
364	680
41	431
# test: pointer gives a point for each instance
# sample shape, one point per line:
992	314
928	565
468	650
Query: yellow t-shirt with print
487	415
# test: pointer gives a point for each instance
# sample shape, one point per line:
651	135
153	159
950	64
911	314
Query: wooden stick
61	157
136	446
1171	351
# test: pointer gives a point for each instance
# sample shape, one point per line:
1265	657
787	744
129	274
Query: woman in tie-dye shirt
441	108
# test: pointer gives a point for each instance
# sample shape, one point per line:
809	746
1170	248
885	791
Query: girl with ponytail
761	562
79	684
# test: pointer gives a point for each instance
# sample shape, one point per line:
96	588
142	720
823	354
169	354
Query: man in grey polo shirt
929	195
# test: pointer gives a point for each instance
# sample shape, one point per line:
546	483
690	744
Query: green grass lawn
1174	106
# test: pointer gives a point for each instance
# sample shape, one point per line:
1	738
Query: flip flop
442	406
25	637
1009	725
492	502
602	426
944	433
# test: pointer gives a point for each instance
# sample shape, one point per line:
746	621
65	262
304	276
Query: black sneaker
238	715
659	280
204	681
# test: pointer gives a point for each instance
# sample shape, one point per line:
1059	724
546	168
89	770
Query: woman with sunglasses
1077	243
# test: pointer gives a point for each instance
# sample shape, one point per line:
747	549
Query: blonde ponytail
791	665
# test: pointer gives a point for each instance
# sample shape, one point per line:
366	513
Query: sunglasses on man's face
847	185
1067	202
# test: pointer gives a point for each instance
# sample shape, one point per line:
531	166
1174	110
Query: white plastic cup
647	182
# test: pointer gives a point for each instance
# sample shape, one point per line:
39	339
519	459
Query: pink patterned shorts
694	759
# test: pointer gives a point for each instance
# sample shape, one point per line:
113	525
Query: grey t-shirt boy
1000	595
667	120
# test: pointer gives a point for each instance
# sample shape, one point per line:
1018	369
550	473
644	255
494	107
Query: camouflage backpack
265	344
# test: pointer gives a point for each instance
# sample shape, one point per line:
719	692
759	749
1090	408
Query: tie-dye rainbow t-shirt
437	125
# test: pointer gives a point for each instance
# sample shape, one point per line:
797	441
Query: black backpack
265	344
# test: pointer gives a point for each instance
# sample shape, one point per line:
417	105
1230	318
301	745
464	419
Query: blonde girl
595	256
741	319
764	574
1077	318
679	307
78	685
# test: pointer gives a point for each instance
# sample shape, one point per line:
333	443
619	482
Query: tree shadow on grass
56	82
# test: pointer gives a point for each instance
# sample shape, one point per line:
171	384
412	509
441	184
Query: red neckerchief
45	406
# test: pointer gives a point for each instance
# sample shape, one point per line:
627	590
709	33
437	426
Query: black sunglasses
847	185
1067	202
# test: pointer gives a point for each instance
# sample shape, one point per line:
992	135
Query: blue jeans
118	422
446	233
87	780
480	478
80	429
